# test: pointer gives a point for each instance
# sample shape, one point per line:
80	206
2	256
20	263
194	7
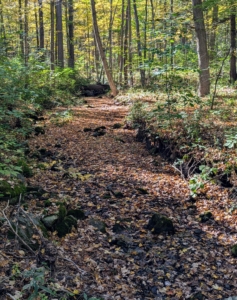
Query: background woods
139	39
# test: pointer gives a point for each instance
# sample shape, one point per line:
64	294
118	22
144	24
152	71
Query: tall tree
233	74
26	34
101	51
203	58
41	25
139	48
71	60
52	44
21	29
59	33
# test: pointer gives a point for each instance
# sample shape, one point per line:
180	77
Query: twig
13	230
69	260
27	215
17	219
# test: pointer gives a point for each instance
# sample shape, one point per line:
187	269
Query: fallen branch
13	230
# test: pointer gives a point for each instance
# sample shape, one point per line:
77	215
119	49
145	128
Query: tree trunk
130	43
139	50
52	62
36	27
121	64
233	75
71	60
59	33
21	28
213	32
41	26
203	59
101	51
26	32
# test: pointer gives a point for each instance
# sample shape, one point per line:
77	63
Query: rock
50	220
99	133
160	224
77	213
198	296
87	129
98	224
99	128
118	194
65	226
142	191
26	229
117	126
207	215
118	228
39	130
234	250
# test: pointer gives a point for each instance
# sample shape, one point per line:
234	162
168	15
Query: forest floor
115	180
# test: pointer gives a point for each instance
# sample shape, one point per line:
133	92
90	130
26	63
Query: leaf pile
116	182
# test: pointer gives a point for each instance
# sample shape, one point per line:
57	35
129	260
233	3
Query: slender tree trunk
213	32
130	42
125	61
36	27
2	28
101	51
21	28
203	59
110	37
59	33
233	75
26	32
139	50
41	26
52	46
121	64
71	60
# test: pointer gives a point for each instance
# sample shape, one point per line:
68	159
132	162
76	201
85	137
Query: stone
206	216
117	126
160	224
39	130
234	250
77	213
50	220
98	224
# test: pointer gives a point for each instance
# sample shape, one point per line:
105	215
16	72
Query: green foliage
61	118
37	283
138	115
91	298
198	180
231	140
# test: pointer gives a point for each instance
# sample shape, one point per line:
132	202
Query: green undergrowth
199	141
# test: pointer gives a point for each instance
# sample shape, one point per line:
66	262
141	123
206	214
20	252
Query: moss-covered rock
160	224
204	217
39	130
98	224
77	213
50	221
26	230
234	250
62	212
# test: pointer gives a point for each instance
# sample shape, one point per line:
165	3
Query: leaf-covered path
113	178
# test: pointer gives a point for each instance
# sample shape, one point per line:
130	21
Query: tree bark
203	58
139	50
52	62
59	33
41	26
21	28
233	75
101	51
213	32
71	60
26	33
